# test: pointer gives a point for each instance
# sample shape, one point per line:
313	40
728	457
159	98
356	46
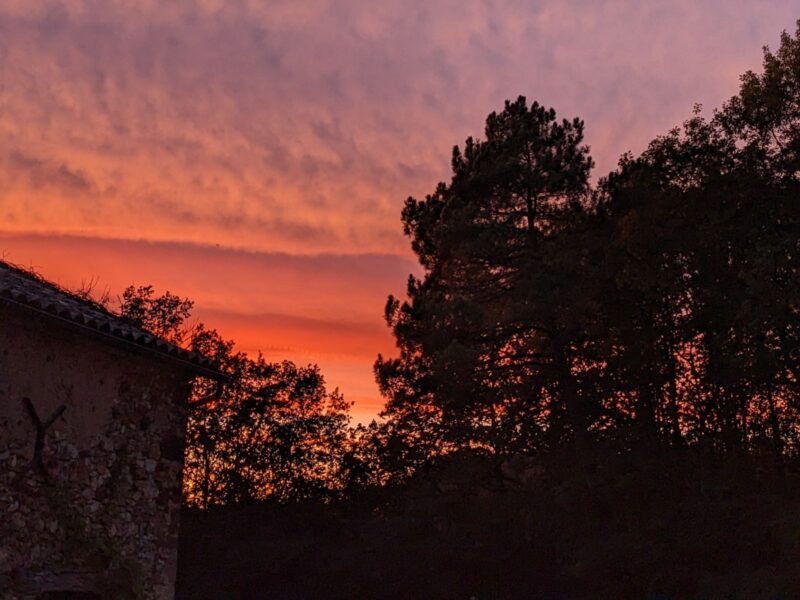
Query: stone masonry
91	450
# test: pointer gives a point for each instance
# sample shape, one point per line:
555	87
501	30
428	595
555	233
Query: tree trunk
567	385
646	417
675	423
777	440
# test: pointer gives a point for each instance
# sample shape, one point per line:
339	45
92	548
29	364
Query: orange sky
254	156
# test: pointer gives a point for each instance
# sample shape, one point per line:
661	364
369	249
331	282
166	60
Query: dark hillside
687	526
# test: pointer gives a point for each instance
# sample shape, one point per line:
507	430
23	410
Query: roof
25	288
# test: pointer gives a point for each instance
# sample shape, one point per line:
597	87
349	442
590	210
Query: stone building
92	419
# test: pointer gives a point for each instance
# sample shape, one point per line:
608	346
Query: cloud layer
293	131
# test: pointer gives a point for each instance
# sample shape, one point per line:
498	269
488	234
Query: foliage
661	307
485	349
164	316
274	433
708	220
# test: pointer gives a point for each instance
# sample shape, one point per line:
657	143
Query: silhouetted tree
165	316
275	432
488	344
705	234
662	308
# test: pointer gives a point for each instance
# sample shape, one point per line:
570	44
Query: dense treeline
658	308
596	394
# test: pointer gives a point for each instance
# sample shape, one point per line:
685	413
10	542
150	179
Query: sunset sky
255	155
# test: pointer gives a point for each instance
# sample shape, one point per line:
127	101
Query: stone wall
99	512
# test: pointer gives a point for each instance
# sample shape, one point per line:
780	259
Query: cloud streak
321	308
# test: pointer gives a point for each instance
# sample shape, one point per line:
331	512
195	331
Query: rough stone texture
104	517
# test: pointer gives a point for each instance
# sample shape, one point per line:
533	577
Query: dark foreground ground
683	526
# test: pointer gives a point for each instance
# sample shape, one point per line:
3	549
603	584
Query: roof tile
30	290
